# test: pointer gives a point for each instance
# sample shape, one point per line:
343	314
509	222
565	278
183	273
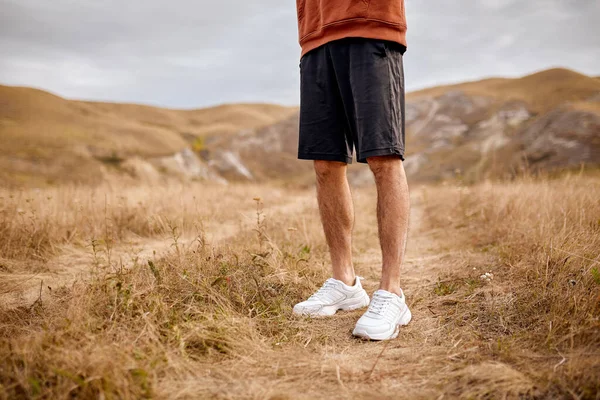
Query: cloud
189	53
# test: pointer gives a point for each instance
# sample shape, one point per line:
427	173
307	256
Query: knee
384	165
327	169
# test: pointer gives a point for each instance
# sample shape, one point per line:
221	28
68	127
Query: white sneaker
382	321
334	295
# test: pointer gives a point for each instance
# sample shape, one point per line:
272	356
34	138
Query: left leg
388	310
393	207
324	137
374	104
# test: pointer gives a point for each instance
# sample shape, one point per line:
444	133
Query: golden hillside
542	91
205	122
47	138
499	127
472	127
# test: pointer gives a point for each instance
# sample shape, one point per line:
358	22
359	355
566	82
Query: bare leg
337	216
393	207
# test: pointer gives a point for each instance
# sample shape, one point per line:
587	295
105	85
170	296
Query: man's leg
343	291
324	137
337	216
393	206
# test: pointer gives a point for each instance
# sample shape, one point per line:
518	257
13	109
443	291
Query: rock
561	138
229	163
187	165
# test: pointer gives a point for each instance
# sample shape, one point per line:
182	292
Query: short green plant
443	288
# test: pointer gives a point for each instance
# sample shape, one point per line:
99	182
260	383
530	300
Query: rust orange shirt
321	21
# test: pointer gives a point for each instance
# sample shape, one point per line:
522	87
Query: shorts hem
388	151
325	157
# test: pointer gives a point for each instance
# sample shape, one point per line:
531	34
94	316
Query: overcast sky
193	53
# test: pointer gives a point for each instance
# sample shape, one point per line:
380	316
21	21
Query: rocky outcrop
454	134
561	138
186	164
183	165
228	163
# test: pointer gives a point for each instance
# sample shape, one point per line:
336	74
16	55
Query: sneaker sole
328	311
404	320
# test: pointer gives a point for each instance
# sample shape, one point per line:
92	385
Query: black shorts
352	95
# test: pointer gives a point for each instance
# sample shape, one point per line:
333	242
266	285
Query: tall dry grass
212	318
35	223
134	333
138	332
540	239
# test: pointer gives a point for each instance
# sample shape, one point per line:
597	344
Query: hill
45	138
489	128
542	91
494	127
545	121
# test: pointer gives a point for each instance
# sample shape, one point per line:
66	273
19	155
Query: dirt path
331	363
402	368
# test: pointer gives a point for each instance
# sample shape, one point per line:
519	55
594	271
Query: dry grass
138	330
135	333
211	315
541	241
35	223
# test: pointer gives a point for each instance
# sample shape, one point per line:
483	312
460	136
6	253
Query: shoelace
379	304
323	290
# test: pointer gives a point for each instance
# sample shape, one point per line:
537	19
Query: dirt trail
331	363
402	368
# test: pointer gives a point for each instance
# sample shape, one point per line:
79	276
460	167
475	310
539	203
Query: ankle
347	279
392	288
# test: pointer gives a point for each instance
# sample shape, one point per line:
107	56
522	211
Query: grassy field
186	292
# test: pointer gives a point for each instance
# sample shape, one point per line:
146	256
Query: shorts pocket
380	48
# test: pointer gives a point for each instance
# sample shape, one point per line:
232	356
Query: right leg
344	291
337	216
325	139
